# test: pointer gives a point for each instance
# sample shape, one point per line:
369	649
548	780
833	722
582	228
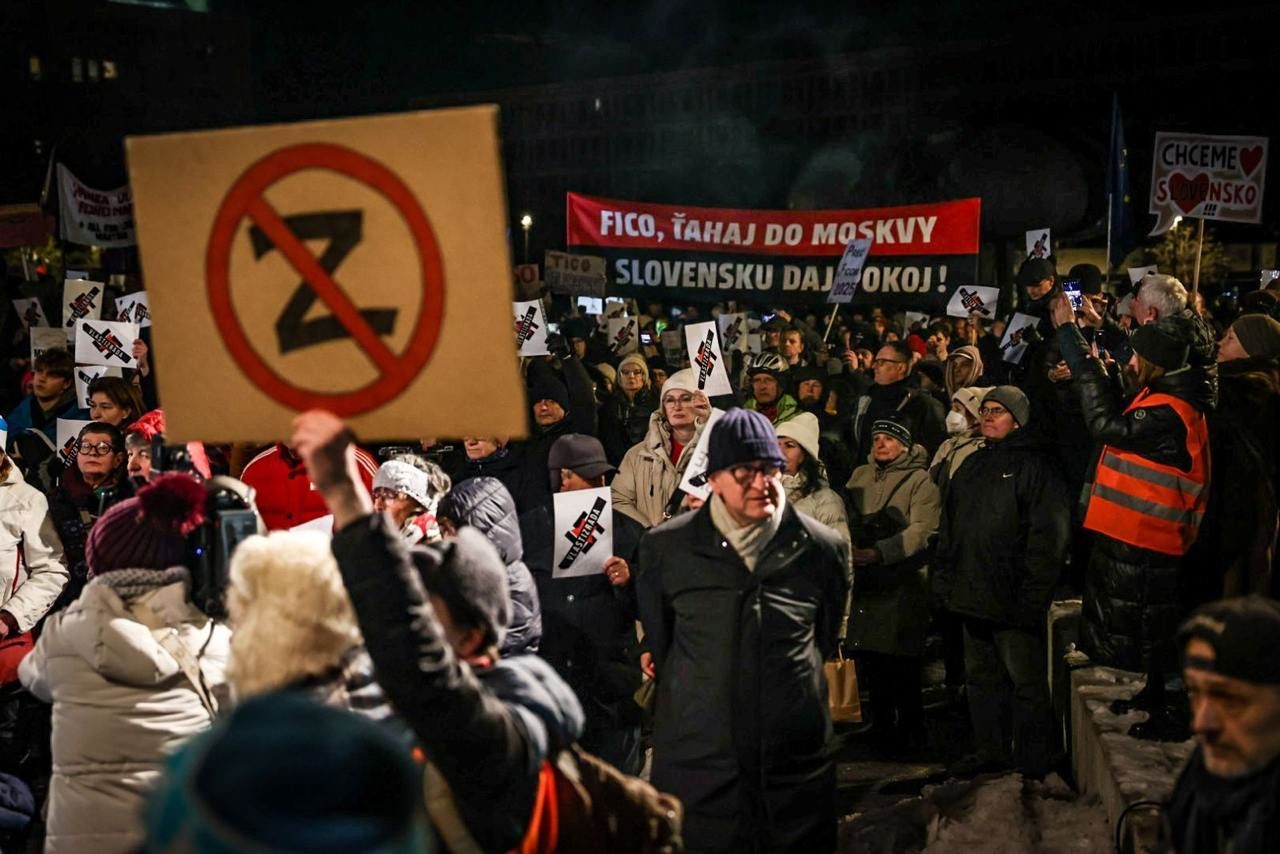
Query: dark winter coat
925	417
1134	598
741	727
625	421
486	505
74	507
588	625
488	730
527	483
1004	534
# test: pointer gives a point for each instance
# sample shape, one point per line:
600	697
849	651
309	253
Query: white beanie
970	398
682	380
803	429
411	480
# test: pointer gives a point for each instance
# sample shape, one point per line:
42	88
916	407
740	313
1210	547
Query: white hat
803	429
970	398
682	380
403	477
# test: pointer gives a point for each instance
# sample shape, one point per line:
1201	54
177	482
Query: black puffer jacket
486	505
1005	528
1134	598
741	727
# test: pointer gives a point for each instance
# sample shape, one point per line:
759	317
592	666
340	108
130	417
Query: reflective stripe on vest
1147	504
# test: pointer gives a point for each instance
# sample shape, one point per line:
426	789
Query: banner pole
830	322
1195	276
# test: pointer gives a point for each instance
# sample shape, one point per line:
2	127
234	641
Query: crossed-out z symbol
344	231
583	533
706	358
525	326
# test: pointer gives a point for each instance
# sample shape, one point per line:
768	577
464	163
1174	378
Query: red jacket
285	496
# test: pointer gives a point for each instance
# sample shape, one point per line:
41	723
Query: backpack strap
168	638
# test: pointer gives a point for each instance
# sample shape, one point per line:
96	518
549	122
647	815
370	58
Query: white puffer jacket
27	540
121	704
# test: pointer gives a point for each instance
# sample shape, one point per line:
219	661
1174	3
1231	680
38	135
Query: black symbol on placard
344	230
622	339
106	342
972	301
67	452
81	306
583	533
706	358
526	326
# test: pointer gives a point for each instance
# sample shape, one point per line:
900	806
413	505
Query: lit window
109	70
93	70
77	69
34	68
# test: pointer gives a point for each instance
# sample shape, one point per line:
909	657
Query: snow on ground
993	814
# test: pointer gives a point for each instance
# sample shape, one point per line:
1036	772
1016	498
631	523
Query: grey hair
1163	293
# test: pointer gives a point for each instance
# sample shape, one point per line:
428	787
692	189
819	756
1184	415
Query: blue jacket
26	415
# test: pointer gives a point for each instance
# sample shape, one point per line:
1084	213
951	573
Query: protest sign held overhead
30	312
1013	346
1207	176
705	358
624	335
694	481
531	328
733	331
81	298
94	217
1038	243
67	432
106	342
584	532
580	275
134	308
973	299
46	338
849	273
86	374
680	253
407	297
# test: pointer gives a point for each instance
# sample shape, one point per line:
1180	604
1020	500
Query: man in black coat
741	604
893	398
1005	527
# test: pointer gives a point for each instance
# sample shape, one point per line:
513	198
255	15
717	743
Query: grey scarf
749	541
130	584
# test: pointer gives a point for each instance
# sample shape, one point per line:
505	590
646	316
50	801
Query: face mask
956	423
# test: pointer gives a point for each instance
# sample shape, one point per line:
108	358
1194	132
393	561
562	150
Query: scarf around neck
749	541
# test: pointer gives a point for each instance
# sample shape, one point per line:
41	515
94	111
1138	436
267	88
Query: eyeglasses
992	411
631	372
876	363
95	449
679	399
745	475
383	494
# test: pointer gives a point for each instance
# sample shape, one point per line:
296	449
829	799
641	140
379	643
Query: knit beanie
467	573
406	478
1012	399
549	388
742	436
637	360
1259	335
285	773
1161	345
893	429
148	531
803	430
682	380
608	372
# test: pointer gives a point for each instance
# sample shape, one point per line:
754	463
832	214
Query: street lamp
526	223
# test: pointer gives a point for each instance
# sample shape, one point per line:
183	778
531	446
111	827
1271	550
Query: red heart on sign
1187	194
1250	158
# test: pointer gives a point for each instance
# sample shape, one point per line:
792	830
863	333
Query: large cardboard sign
668	252
1206	176
580	275
94	217
710	374
584	532
359	266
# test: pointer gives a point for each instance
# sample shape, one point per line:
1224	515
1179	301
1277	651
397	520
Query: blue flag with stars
1120	237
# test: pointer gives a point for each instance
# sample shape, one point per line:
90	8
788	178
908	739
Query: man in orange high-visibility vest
1147	498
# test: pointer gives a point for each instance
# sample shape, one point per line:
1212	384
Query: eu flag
1120	237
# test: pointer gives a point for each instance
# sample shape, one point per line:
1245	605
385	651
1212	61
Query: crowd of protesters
395	664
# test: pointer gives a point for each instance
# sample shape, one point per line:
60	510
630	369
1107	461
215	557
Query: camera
230	518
